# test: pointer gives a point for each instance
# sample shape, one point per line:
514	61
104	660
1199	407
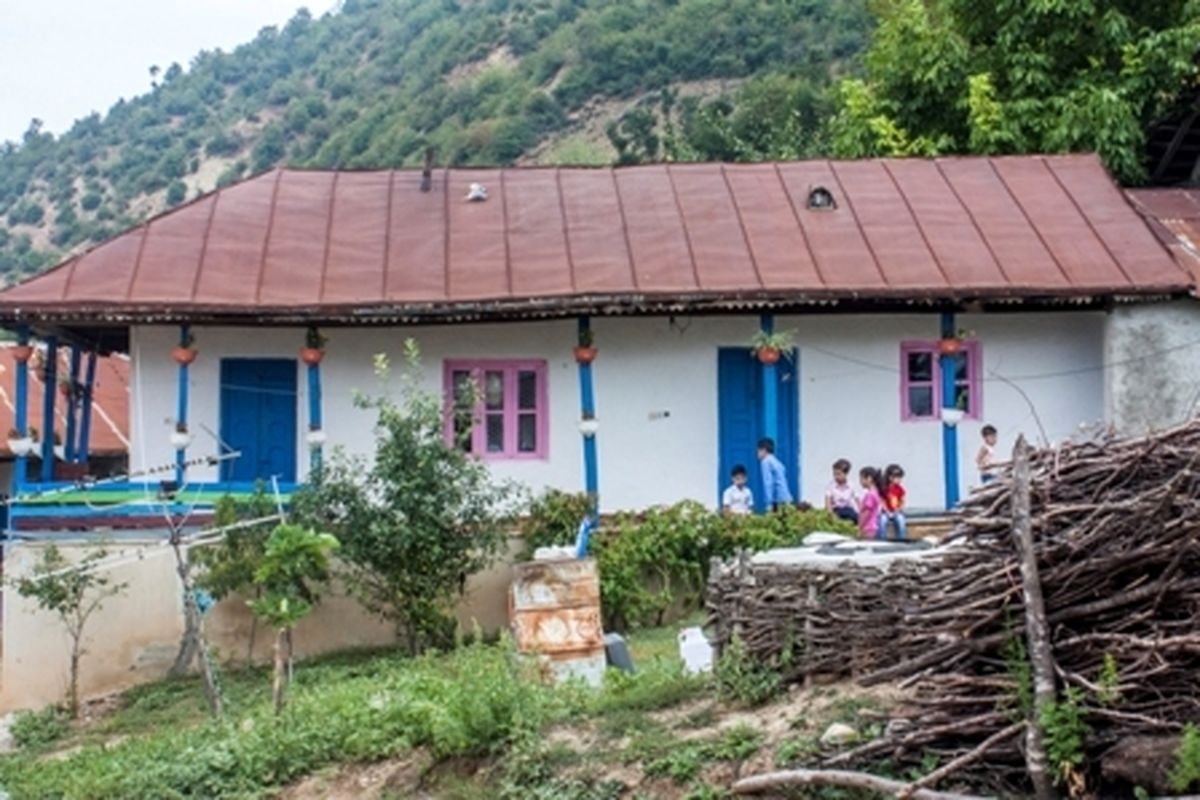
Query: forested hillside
491	82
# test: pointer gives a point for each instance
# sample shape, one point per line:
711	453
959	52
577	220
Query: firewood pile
1115	536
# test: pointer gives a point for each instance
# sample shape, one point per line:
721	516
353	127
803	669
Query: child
738	499
870	504
985	459
893	503
840	499
774	476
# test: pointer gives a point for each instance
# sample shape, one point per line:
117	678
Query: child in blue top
774	476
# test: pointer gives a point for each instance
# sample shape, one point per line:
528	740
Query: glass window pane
920	401
961	369
527	433
962	397
495	433
493	389
461	381
526	390
920	366
462	430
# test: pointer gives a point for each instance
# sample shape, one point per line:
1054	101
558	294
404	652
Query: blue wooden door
258	418
740	420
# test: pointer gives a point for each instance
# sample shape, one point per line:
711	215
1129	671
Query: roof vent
427	172
477	193
821	199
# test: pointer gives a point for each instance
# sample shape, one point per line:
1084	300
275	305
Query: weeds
36	730
743	680
1186	771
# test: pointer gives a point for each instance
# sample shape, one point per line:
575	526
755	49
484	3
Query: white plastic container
696	652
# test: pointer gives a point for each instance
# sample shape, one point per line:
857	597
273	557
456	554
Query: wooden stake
1037	633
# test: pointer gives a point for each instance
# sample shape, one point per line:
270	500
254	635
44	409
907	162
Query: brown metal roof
1174	215
293	244
109	433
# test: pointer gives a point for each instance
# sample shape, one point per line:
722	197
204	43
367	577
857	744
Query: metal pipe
948	363
85	414
770	389
72	406
182	410
314	413
21	412
49	390
587	402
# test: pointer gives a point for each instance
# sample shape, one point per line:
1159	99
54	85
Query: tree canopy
1018	76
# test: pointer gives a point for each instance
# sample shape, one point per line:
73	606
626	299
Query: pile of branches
1112	544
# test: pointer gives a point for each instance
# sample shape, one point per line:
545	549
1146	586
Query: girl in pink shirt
870	503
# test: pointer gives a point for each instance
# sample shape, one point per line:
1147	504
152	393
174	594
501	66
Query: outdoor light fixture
821	199
952	416
588	427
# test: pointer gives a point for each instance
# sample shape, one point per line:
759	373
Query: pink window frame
510	368
973	352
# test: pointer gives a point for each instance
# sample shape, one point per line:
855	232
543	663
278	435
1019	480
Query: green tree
980	76
416	521
294	563
176	192
73	592
269	148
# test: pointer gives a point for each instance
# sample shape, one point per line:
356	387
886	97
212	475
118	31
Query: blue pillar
21	413
83	451
314	413
49	392
587	404
949	432
182	410
770	389
72	406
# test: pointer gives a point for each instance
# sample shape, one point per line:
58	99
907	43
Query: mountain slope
378	81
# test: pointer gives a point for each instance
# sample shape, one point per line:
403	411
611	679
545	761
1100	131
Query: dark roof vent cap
821	199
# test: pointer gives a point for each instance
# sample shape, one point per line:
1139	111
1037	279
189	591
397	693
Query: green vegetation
35	730
1186	772
1020	76
376	82
417	520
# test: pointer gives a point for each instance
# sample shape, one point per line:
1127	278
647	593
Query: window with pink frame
497	409
921	381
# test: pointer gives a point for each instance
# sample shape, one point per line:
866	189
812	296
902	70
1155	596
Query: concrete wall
1151	350
656	393
135	636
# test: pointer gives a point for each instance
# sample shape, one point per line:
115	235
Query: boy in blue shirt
774	476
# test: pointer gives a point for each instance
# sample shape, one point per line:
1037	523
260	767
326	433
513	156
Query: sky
63	59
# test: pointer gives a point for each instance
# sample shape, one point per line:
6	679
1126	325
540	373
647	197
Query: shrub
1186	771
33	730
553	519
741	679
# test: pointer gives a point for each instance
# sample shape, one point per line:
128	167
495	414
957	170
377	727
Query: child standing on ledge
893	503
985	459
870	504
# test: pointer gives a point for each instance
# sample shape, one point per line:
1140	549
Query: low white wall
849	385
1151	350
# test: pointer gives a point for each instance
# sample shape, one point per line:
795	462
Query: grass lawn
473	723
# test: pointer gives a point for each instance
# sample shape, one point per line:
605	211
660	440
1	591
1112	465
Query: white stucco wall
848	379
1153	381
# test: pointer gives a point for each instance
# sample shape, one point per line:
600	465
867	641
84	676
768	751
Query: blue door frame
741	422
258	418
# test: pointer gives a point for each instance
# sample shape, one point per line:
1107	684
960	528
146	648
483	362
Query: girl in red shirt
893	503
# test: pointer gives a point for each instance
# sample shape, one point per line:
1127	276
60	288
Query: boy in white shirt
738	499
840	498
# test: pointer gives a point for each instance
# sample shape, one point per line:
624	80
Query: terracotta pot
184	355
768	355
22	353
311	355
585	355
64	389
950	347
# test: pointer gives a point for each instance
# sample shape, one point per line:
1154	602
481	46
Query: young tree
295	561
981	76
74	592
418	520
228	566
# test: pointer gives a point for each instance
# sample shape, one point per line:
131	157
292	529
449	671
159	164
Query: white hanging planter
952	416
21	446
315	439
180	439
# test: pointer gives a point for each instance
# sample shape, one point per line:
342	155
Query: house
925	298
1042	263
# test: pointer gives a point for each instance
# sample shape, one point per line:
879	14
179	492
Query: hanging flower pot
314	346
585	354
22	353
768	348
768	355
950	346
311	355
952	416
184	355
64	388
